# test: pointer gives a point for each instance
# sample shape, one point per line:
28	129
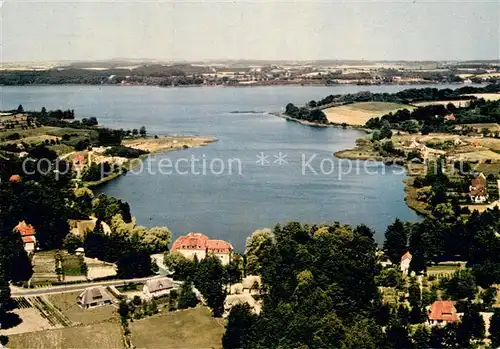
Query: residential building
157	287
252	284
442	312
28	234
478	191
93	297
405	263
199	245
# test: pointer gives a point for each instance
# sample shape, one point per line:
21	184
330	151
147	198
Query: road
30	292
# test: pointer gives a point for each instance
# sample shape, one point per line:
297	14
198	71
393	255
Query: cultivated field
458	104
44	268
186	329
360	113
103	335
66	303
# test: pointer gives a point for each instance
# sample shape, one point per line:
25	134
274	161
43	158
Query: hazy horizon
35	31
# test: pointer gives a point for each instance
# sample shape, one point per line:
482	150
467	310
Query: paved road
26	292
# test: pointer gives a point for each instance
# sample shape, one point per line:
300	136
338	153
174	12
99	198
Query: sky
32	31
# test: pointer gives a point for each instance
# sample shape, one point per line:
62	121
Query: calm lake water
236	195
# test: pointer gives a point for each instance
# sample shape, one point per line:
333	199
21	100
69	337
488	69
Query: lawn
71	265
103	335
360	113
186	329
66	303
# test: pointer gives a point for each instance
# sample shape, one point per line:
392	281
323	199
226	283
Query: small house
157	287
441	313
252	284
93	297
405	263
28	235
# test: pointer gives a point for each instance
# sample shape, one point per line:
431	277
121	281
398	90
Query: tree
461	285
472	326
396	240
187	298
495	329
233	272
254	247
20	108
210	282
72	242
142	131
488	296
182	267
385	130
135	132
421	337
240	324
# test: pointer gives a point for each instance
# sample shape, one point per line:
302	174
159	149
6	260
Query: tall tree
396	241
210	280
187	298
240	324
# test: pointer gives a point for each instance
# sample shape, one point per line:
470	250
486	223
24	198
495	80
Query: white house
405	263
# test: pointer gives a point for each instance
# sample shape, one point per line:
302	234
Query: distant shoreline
301	84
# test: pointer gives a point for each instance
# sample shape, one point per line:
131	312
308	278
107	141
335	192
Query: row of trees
407	96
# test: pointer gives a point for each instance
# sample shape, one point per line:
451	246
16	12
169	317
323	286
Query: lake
261	171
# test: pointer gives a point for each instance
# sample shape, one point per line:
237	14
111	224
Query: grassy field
103	335
360	113
66	303
186	329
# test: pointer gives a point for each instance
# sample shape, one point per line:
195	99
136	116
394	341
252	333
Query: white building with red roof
405	263
200	245
442	312
27	233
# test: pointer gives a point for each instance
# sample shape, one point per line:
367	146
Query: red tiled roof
199	241
27	239
25	229
444	311
407	255
79	158
15	178
191	241
219	246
